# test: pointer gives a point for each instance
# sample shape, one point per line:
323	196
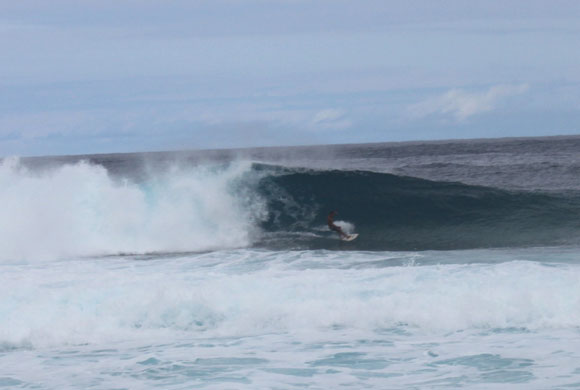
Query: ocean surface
216	270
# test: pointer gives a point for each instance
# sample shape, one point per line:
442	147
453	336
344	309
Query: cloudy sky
99	76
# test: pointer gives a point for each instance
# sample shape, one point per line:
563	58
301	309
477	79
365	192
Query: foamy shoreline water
254	319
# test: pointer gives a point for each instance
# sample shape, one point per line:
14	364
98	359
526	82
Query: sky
106	76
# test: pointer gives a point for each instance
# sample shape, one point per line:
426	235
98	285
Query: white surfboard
350	237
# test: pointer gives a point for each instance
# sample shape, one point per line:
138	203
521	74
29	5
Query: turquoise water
314	319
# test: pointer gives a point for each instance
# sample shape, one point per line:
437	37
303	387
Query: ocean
216	270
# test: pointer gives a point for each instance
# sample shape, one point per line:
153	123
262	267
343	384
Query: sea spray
80	210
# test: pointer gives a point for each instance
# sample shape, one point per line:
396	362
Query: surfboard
350	237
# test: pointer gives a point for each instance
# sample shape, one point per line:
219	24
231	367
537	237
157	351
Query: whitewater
216	270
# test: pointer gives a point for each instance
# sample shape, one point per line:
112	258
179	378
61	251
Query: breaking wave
81	209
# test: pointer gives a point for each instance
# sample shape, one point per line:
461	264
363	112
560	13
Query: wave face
403	213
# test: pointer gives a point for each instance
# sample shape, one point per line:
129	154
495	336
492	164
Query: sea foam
80	210
234	294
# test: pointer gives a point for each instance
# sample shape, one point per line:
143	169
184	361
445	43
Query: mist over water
217	270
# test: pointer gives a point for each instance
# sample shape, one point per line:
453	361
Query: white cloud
462	104
327	116
330	119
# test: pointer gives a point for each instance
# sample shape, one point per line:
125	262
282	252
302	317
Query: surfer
332	226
